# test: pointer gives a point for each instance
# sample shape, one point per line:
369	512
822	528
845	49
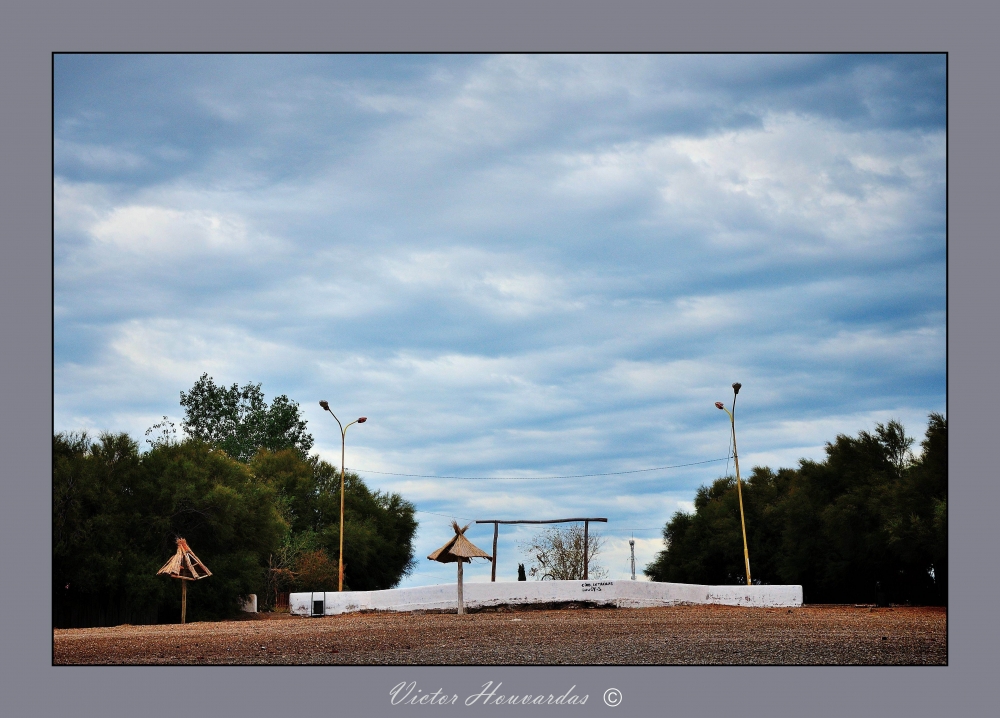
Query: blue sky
515	266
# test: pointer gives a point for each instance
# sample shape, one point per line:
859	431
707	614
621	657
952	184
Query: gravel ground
675	635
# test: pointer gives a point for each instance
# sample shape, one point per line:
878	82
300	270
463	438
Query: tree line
261	513
869	523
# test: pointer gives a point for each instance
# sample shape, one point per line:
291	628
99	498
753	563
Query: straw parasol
187	567
459	550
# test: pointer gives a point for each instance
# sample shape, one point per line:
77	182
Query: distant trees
378	527
558	554
869	513
239	421
262	515
116	514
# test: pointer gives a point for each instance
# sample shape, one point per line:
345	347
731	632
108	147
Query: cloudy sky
516	266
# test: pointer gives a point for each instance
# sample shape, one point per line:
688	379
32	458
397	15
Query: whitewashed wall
623	594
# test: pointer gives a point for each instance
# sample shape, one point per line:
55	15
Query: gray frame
32	31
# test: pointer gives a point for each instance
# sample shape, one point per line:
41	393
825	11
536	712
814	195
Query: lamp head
736	388
325	405
718	405
363	419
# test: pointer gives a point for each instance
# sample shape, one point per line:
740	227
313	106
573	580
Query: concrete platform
621	594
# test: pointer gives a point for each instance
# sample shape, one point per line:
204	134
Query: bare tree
557	554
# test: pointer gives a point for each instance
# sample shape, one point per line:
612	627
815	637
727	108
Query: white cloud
160	230
78	206
797	184
499	284
923	346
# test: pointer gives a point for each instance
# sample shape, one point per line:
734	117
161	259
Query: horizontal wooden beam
526	521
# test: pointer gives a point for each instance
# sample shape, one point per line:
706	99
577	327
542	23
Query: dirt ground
675	635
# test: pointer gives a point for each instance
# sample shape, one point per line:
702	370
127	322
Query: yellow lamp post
736	458
343	441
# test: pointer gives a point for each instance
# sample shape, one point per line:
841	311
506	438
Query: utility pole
631	544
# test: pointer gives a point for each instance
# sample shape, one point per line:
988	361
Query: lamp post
631	545
343	441
736	459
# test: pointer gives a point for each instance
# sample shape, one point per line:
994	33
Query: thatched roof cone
459	548
184	564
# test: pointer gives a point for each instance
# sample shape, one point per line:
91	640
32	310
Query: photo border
33	31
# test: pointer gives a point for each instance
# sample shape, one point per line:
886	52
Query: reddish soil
676	635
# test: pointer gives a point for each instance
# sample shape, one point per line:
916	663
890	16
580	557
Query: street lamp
736	458
343	437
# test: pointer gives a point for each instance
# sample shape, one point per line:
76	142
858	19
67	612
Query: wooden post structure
184	601
586	527
461	602
493	573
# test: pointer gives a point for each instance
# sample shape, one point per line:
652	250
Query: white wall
623	594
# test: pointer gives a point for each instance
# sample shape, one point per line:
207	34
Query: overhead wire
544	478
447	516
537	478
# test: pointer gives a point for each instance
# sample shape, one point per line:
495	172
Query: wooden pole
184	600
586	541
340	558
461	605
493	574
739	493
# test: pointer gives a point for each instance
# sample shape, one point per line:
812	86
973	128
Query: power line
612	531
447	516
537	478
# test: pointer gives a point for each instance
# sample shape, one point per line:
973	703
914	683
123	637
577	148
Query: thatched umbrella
459	550
187	567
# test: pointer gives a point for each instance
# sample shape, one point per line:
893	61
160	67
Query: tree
262	527
869	514
378	527
239	421
95	554
315	571
116	513
917	530
558	554
707	546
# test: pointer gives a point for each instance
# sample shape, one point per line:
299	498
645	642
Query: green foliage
378	527
116	513
230	518
239	421
868	514
96	565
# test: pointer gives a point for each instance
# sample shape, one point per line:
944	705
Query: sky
516	266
